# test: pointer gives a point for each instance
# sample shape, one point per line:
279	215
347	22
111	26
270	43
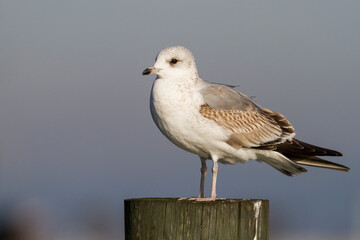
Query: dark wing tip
328	152
313	150
339	154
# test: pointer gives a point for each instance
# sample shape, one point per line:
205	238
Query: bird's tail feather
282	163
318	162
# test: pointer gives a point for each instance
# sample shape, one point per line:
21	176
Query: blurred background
77	138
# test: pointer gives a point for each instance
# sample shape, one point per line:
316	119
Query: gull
218	123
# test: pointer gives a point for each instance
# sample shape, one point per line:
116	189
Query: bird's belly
185	135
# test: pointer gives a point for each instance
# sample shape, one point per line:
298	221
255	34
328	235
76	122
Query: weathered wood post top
173	219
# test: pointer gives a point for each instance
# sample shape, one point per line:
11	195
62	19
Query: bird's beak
148	71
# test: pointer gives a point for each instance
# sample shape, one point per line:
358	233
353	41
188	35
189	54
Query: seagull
218	123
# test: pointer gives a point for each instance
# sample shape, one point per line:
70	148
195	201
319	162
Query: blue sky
75	122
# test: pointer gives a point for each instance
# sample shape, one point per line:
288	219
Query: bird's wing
224	97
251	125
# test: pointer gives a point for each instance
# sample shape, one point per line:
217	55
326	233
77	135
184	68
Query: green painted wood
174	219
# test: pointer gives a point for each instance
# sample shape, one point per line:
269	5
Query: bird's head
173	62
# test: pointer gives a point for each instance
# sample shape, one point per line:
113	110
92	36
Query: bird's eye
173	61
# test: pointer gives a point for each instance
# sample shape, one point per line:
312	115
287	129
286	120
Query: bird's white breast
175	108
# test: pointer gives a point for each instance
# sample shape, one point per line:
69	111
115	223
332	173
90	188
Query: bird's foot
204	199
190	198
199	199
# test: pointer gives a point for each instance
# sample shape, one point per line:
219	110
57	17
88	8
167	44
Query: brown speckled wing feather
251	128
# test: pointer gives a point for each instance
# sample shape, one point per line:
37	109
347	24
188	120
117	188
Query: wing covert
224	97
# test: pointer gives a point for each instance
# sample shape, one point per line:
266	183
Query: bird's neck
168	93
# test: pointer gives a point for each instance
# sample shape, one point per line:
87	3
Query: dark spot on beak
146	71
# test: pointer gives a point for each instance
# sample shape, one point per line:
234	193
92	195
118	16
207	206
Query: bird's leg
202	182
214	178
203	175
201	196
213	188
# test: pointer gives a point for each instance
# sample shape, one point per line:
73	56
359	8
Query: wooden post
174	219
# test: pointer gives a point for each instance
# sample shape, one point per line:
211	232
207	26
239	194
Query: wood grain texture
173	219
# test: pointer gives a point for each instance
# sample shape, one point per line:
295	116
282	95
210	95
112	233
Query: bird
218	123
